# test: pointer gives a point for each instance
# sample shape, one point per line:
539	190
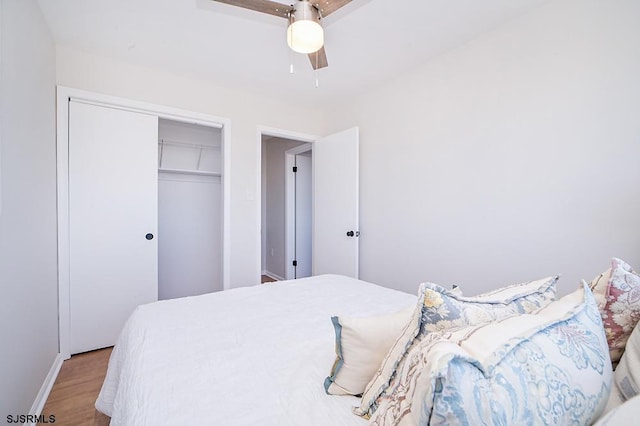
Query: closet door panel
113	160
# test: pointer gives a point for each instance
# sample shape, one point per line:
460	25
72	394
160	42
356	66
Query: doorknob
149	236
350	234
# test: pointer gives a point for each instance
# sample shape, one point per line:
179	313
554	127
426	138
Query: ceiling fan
304	33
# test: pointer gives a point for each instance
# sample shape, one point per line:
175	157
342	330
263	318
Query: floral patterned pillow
551	367
617	292
439	310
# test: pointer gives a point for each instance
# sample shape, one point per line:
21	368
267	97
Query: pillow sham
438	310
550	367
361	344
617	292
627	375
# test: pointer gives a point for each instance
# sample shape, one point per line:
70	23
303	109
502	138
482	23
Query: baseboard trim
45	389
272	276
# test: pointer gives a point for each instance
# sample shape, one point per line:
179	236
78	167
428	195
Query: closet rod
163	141
189	172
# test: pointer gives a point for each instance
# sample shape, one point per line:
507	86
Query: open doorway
286	208
335	204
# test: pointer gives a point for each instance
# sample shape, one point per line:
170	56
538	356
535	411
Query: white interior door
113	178
303	215
336	204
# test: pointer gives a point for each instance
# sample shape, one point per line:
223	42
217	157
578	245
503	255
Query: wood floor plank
76	389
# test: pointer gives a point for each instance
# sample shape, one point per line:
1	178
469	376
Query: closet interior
190	200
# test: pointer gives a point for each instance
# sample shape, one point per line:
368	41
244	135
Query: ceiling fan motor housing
305	33
301	14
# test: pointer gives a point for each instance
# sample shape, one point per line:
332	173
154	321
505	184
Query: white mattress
247	356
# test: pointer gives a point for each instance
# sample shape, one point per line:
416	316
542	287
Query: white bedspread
248	356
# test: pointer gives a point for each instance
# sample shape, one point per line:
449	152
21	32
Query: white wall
510	158
247	111
274	229
189	235
28	270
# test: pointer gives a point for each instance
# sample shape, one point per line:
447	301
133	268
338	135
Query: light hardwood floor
74	392
266	279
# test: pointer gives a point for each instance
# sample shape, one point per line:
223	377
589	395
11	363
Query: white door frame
64	94
290	207
278	133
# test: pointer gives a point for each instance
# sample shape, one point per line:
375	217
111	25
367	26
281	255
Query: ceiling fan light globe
305	36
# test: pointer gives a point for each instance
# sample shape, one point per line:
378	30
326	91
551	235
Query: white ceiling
367	41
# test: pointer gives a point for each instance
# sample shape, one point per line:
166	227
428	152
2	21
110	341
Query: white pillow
626	414
627	376
615	400
551	367
361	344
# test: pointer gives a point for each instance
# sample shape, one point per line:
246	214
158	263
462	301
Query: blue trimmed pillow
551	367
361	344
438	310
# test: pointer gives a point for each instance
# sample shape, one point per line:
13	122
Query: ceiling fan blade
319	59
264	6
327	7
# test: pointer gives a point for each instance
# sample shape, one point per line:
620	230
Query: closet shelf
189	172
182	157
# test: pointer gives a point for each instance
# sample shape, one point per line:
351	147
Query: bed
256	355
266	355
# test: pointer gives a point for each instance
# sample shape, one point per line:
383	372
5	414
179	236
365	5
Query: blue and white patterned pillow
439	310
551	367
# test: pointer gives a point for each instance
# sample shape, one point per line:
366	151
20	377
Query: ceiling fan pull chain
291	70
315	69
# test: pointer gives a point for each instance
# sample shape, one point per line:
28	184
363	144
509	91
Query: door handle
149	236
353	234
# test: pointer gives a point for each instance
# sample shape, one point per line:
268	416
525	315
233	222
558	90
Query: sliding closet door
113	178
